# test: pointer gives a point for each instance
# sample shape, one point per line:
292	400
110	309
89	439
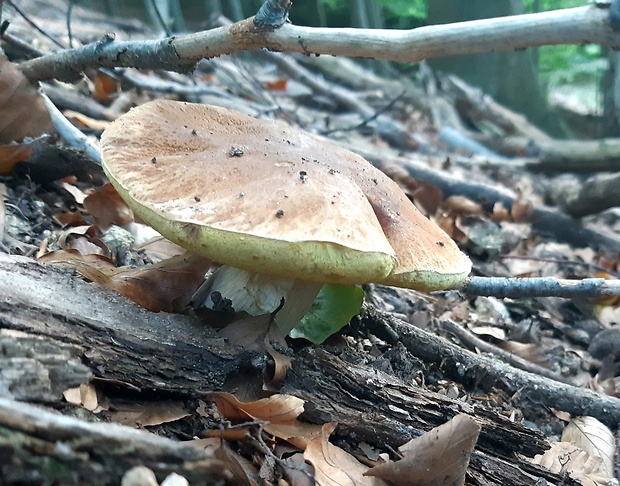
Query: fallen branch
488	373
587	288
469	339
544	220
583	25
113	335
580	198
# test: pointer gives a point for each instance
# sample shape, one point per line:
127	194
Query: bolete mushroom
274	201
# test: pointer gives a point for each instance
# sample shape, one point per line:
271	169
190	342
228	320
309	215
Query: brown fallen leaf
13	154
276	408
166	286
107	207
83	121
243	471
280	412
565	458
84	395
144	415
595	438
21	105
334	466
438	458
105	87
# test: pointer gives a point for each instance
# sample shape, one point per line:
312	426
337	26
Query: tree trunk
510	77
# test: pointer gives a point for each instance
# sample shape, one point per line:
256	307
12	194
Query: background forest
565	90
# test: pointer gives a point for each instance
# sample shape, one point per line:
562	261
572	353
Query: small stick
587	288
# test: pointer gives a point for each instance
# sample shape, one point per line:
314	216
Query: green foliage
568	64
331	311
405	8
544	5
398	13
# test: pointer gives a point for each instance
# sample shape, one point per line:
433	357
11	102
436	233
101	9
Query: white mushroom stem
259	294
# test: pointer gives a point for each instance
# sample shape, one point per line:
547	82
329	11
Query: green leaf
332	309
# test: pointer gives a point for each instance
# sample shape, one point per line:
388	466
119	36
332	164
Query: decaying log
377	408
580	198
37	369
178	356
38	446
117	339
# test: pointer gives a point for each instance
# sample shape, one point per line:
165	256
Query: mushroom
290	210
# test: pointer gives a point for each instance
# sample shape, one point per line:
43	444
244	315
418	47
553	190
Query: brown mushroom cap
271	199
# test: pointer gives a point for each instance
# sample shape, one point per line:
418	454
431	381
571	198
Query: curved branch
582	25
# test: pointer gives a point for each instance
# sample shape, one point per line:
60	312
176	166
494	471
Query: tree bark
509	77
178	357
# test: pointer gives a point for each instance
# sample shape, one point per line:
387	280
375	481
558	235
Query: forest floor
77	358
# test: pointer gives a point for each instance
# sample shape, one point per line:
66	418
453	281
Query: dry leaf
463	205
428	198
279	411
334	466
438	458
591	436
21	105
105	86
157	248
249	332
297	471
565	458
107	207
162	287
13	154
276	85
275	409
78	195
84	395
83	121
500	213
155	413
243	471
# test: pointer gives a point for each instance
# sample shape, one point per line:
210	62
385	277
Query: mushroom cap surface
268	198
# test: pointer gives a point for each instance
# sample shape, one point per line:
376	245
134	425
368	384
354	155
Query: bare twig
40	30
583	25
70	133
587	288
69	30
366	121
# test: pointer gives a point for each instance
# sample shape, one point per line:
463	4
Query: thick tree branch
583	25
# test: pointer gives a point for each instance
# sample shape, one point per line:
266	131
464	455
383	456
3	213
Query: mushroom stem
260	294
